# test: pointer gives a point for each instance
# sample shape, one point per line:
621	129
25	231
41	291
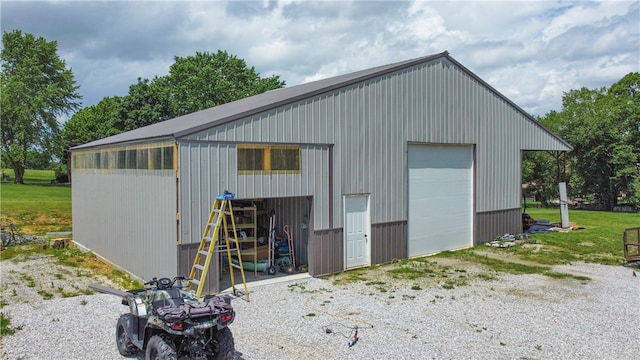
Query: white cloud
583	13
531	51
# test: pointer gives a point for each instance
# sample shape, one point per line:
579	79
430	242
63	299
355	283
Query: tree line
602	125
37	88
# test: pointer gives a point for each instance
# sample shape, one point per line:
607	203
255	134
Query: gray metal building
401	160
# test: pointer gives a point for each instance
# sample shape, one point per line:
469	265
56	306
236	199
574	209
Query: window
262	159
128	157
285	159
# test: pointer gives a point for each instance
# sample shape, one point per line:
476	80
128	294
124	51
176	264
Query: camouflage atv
167	321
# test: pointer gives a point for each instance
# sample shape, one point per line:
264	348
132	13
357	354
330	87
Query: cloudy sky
531	51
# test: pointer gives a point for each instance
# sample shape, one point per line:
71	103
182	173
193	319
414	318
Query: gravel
511	317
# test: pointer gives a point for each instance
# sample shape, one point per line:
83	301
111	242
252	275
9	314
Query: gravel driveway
512	317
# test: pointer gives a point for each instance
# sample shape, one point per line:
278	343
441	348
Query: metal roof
204	119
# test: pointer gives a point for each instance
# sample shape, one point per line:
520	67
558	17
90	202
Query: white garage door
440	198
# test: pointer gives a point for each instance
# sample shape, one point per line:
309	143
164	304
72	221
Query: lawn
599	242
37	206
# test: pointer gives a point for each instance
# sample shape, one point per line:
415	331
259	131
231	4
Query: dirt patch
506	257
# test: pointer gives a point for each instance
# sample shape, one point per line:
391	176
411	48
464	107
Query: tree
603	126
543	170
92	123
36	88
206	80
194	83
148	102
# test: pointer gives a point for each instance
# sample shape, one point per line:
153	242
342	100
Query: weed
416	287
311	314
559	275
486	276
538	347
58	276
349	277
45	295
83	302
5	321
408	297
29	280
14	292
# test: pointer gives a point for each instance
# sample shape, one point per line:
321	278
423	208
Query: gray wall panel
497	223
129	218
388	242
326	252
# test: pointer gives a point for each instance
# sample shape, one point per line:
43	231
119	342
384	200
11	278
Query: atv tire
123	338
226	347
160	347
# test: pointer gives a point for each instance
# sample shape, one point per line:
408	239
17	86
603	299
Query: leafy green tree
603	126
543	170
148	102
36	88
93	122
206	80
194	83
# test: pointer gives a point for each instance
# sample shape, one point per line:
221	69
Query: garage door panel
440	198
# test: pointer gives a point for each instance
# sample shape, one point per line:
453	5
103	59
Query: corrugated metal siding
370	123
207	169
388	242
186	255
128	217
497	223
326	252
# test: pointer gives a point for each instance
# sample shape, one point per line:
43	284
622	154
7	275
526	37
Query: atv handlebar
165	283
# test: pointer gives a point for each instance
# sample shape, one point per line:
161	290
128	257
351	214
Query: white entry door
356	231
440	198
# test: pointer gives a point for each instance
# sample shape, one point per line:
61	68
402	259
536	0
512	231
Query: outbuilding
397	161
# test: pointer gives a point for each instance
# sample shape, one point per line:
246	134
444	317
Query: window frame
267	159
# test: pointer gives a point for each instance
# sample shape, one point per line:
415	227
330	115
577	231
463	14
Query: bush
60	171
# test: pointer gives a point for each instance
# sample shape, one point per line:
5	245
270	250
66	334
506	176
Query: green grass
5	321
600	241
36	207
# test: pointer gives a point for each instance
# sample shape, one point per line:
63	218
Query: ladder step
199	267
212	242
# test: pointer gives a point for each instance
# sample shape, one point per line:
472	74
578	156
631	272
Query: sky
530	51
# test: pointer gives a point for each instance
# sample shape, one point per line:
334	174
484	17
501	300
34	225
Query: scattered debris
10	235
507	240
